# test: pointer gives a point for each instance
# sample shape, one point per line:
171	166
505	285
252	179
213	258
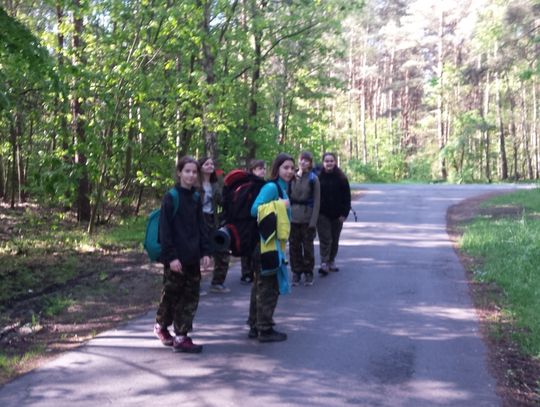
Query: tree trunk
350	97
440	127
363	92
251	126
485	131
13	127
208	62
2	179
503	163
131	133
404	142
83	188
61	109
525	132
375	112
534	130
97	203
390	103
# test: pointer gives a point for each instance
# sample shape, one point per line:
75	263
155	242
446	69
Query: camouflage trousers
301	248
263	301
179	298
329	231
221	267
251	263
221	259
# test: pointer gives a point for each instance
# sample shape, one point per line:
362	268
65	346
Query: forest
98	98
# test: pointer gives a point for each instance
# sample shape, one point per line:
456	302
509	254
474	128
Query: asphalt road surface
394	327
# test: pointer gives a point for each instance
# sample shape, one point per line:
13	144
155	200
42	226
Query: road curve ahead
394	327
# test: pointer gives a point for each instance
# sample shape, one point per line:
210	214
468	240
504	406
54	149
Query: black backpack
239	233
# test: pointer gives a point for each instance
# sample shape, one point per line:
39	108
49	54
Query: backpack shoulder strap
176	200
279	190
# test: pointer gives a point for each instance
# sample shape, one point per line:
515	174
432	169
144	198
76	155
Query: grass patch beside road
43	251
505	239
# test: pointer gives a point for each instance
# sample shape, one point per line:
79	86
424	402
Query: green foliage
56	304
510	256
419	169
360	172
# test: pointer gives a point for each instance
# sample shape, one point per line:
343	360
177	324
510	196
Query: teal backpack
151	238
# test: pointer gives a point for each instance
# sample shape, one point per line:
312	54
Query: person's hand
342	219
176	266
286	202
206	262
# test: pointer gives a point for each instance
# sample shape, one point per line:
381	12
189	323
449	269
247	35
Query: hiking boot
185	344
246	280
163	335
253	333
219	288
323	270
309	279
332	267
271	335
296	279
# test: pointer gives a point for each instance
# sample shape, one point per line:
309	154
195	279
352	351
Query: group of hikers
306	200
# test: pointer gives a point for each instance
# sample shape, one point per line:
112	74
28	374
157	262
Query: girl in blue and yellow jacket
265	290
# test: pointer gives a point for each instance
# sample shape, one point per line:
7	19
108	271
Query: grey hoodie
305	199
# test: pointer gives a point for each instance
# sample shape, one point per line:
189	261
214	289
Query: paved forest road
394	327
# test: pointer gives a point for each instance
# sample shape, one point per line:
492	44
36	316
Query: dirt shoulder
517	374
115	287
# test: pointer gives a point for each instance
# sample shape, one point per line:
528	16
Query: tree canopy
99	98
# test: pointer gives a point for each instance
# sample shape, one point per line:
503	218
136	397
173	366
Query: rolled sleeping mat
221	240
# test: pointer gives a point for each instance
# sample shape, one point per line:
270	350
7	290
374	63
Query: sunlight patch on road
390	240
460	314
437	392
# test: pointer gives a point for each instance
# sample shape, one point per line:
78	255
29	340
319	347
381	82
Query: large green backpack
151	238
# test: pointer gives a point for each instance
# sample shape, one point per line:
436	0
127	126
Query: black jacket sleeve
345	206
166	230
204	239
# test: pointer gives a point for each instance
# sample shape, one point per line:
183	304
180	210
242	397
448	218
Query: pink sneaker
186	345
163	334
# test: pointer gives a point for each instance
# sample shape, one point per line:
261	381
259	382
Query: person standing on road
183	243
212	197
305	195
335	207
252	262
265	289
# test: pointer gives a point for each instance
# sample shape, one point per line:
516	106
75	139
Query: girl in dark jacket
335	207
183	244
212	199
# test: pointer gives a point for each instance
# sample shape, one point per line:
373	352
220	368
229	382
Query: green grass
9	364
48	251
509	250
56	304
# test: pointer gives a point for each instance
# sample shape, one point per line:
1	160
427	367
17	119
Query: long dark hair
213	176
336	169
280	159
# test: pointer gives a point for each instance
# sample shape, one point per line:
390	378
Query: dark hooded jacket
335	194
183	236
